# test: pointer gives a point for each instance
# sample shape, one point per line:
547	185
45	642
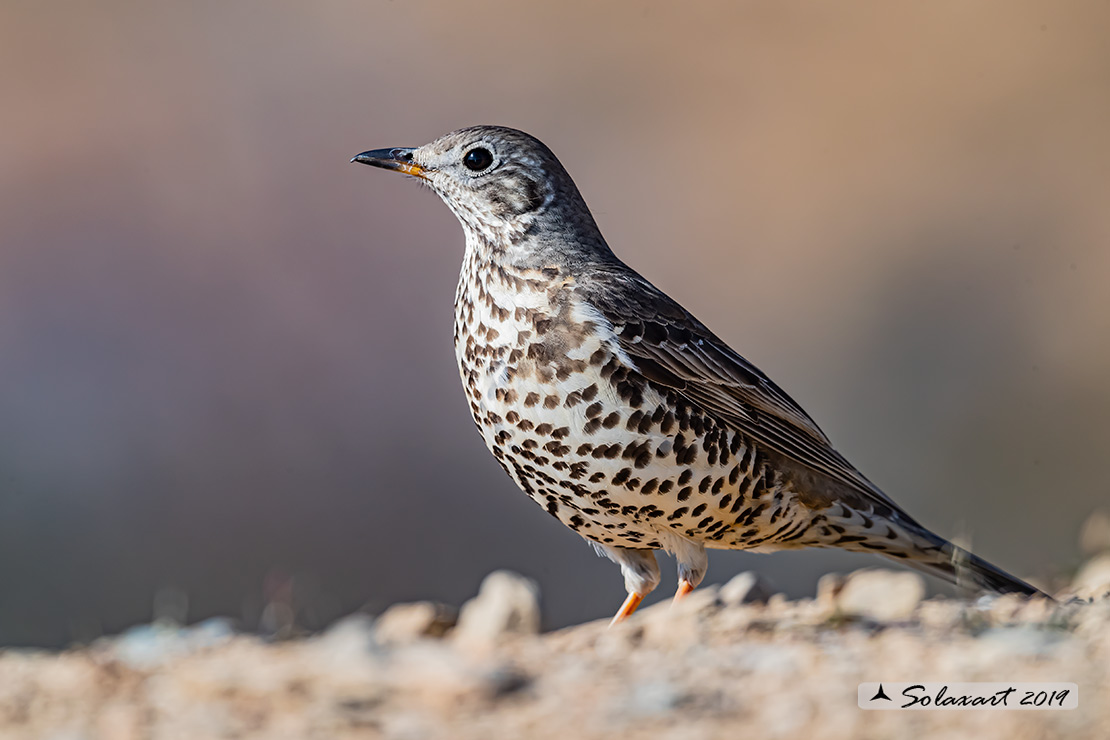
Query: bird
618	411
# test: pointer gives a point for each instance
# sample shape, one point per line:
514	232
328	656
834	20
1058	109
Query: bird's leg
692	564
630	603
641	575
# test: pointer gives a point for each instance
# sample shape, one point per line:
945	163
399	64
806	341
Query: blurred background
226	370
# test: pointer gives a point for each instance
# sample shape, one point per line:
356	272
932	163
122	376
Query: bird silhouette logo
880	694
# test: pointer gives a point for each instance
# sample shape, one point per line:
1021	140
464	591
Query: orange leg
627	608
684	588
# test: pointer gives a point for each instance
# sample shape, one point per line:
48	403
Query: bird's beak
398	158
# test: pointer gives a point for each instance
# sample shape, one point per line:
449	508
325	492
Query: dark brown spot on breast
634	421
556	449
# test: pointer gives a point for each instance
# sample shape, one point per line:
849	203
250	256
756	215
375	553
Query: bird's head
505	186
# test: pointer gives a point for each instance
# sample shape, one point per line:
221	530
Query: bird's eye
478	159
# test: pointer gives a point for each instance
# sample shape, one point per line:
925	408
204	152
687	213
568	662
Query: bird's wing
672	348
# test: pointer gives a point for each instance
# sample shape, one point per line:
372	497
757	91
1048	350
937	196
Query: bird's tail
897	536
937	556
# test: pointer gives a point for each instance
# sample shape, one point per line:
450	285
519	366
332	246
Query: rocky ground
729	662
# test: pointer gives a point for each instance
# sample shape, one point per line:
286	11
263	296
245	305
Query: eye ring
477	159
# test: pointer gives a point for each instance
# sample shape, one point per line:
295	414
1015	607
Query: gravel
729	662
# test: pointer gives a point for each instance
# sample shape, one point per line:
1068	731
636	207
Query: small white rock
828	588
507	603
403	623
348	638
882	595
1093	579
148	646
746	588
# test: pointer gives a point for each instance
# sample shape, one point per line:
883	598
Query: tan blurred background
225	354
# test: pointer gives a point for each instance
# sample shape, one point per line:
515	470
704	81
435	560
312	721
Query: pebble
881	595
746	588
403	623
1093	579
507	603
150	645
350	638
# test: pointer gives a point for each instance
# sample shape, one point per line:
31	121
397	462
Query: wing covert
672	348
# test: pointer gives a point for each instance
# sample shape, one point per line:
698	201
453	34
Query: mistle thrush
620	413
